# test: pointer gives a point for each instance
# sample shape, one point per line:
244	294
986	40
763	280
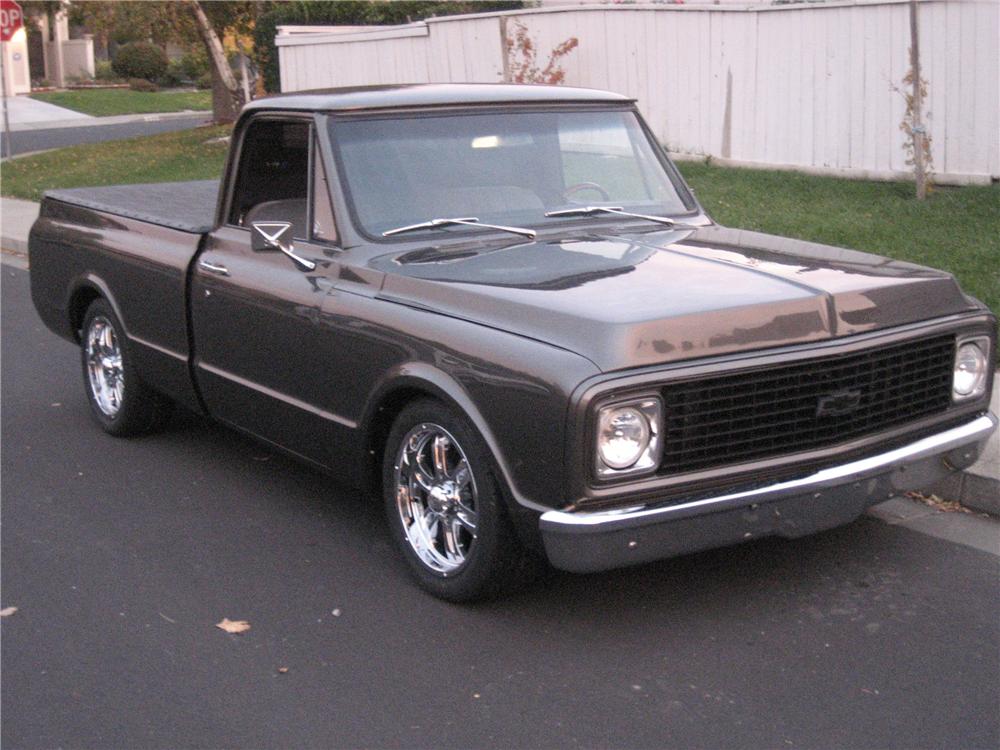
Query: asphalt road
122	554
25	141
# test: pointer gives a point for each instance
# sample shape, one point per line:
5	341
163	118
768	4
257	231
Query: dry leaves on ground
948	506
7	611
233	626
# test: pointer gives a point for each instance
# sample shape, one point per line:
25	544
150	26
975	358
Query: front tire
121	403
445	508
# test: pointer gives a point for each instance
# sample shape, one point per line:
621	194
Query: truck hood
643	299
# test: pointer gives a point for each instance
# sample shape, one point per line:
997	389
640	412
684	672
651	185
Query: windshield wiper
618	211
470	221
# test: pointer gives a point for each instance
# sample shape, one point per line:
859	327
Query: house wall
78	58
16	72
812	86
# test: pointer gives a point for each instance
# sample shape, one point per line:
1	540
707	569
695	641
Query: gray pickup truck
500	310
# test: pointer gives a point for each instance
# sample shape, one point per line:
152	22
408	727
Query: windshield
508	168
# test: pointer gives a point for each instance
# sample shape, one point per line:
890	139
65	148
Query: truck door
256	290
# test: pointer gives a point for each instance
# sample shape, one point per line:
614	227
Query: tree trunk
226	96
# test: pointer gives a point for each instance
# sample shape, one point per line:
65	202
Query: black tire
120	401
494	559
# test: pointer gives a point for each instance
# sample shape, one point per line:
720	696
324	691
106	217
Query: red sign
11	19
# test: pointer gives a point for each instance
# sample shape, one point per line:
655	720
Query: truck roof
404	96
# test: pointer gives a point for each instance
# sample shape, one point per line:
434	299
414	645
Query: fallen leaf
948	506
7	611
335	613
283	670
233	626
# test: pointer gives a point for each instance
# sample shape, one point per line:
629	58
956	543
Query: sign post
11	19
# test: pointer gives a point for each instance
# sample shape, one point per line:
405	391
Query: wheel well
378	431
81	300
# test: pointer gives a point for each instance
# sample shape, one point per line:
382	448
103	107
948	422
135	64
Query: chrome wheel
104	366
436	498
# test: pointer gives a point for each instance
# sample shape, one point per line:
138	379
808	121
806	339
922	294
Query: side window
324	228
272	181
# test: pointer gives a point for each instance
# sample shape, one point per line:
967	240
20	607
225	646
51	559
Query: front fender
421	377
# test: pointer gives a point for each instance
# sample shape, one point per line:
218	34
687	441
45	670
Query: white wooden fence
798	86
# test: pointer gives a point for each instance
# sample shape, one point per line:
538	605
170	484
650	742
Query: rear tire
121	403
445	508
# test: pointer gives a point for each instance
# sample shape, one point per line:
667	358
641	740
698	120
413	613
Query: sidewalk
95	122
16	218
25	112
978	487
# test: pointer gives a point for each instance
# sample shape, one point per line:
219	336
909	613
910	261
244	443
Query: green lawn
106	102
955	229
169	157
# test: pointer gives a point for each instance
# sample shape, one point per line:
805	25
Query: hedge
140	60
350	13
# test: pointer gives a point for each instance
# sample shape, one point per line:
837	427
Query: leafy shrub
141	84
174	75
104	72
140	60
194	63
204	81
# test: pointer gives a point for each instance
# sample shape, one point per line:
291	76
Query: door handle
213	267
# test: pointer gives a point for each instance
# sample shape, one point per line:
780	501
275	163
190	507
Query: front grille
804	406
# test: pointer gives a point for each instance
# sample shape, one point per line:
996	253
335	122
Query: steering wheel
586	186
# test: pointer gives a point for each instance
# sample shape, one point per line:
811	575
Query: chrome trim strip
213	267
157	347
290	400
978	429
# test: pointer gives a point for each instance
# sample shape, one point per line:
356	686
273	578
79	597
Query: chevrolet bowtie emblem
839	403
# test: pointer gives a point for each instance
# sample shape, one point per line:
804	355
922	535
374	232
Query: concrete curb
96	122
967	529
17	260
972	490
10	246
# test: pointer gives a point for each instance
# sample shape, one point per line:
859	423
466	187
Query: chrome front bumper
583	542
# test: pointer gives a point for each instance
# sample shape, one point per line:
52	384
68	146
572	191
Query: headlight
971	369
628	437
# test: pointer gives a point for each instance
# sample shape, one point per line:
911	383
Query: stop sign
11	19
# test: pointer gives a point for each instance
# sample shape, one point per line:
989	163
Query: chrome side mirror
277	235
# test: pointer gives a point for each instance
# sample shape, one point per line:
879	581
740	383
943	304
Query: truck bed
185	206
